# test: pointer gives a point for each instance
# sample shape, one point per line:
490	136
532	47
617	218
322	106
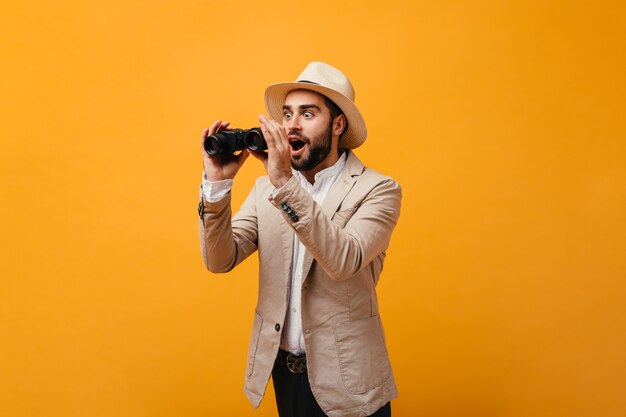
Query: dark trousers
295	399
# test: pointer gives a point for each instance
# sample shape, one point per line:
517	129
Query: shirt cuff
214	191
277	190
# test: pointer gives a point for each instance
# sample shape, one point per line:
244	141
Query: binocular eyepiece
230	141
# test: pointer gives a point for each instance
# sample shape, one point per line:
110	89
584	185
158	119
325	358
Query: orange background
503	292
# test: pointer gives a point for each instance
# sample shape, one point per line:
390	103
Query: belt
296	364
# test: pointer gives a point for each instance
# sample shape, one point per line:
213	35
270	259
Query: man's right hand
222	167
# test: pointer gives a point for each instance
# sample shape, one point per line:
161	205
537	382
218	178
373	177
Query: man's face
309	128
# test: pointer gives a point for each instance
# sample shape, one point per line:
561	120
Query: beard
319	148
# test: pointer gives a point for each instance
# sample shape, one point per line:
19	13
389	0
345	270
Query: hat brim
352	138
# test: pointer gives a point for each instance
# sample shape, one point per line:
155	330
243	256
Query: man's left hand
277	161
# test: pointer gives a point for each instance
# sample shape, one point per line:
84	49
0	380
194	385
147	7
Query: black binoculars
230	141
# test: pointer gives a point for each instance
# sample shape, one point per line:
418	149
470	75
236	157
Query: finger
214	127
272	131
244	155
268	136
282	132
224	125
269	139
276	127
280	138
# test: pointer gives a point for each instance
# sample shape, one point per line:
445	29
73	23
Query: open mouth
296	145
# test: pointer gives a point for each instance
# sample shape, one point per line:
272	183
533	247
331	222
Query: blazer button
277	327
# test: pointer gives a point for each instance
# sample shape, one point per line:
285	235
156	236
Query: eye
307	114
286	115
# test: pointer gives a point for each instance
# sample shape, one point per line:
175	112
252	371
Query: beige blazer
346	239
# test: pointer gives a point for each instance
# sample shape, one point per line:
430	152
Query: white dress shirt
292	338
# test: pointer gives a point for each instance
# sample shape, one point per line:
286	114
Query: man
321	223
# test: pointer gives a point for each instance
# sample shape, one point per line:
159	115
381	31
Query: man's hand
277	161
222	167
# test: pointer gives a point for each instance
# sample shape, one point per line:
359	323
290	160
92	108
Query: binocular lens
212	145
223	143
255	140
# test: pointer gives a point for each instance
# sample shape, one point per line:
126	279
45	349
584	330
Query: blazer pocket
363	359
257	325
341	217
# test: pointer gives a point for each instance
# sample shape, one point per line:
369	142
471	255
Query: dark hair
334	112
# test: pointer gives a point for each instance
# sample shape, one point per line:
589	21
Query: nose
292	124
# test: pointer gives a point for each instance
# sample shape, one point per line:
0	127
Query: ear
339	125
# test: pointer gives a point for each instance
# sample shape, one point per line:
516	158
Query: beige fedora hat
330	82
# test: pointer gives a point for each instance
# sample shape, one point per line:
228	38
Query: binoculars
228	142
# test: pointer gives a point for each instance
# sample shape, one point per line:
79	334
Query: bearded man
321	223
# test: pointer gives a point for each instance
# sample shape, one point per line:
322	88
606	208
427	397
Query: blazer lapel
335	196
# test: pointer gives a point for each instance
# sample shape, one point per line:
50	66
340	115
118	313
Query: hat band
308	82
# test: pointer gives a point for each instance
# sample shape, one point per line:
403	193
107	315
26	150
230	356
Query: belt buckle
295	364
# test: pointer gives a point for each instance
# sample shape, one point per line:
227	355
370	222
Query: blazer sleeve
226	242
342	251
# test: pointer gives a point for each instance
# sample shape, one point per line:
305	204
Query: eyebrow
304	107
